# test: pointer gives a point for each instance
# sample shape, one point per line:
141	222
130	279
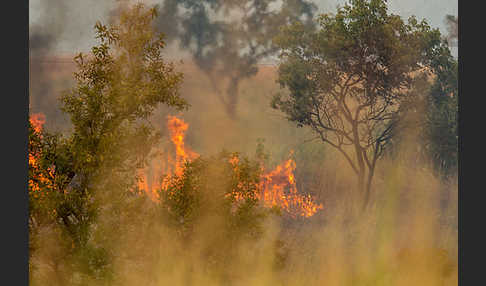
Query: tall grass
407	237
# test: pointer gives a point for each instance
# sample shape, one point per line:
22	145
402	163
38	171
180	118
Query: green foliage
260	151
441	121
213	204
348	80
53	206
49	175
117	89
437	109
442	132
118	86
86	178
362	47
222	186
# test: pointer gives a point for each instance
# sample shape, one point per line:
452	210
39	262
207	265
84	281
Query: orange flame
277	187
159	173
38	179
178	128
273	192
37	120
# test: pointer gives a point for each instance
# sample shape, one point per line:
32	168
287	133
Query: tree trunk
232	100
368	188
361	182
360	161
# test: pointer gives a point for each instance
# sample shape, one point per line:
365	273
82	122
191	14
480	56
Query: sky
73	21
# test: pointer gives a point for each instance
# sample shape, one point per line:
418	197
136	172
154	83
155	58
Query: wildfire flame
178	128
160	172
273	192
277	188
37	120
38	180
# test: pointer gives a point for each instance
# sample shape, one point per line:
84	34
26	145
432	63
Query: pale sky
78	17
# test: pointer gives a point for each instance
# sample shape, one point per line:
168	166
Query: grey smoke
43	35
58	27
198	28
227	39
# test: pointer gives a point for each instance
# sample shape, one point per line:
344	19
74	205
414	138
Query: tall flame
277	188
38	179
159	173
37	120
178	128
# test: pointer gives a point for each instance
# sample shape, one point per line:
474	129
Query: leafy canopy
117	89
92	170
349	80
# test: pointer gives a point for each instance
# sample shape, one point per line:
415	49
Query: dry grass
409	236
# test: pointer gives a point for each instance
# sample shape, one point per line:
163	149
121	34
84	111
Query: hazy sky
73	20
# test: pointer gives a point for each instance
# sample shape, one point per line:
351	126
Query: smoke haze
409	237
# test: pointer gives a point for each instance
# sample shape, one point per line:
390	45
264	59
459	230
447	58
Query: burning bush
273	189
207	220
212	187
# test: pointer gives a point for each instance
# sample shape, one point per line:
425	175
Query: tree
452	28
349	81
441	118
117	89
49	174
212	187
219	194
230	49
118	86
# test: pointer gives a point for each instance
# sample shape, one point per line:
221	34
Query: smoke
58	30
451	22
50	25
404	239
227	39
43	35
407	236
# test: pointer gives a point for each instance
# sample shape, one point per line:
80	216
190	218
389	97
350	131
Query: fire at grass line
277	188
203	220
